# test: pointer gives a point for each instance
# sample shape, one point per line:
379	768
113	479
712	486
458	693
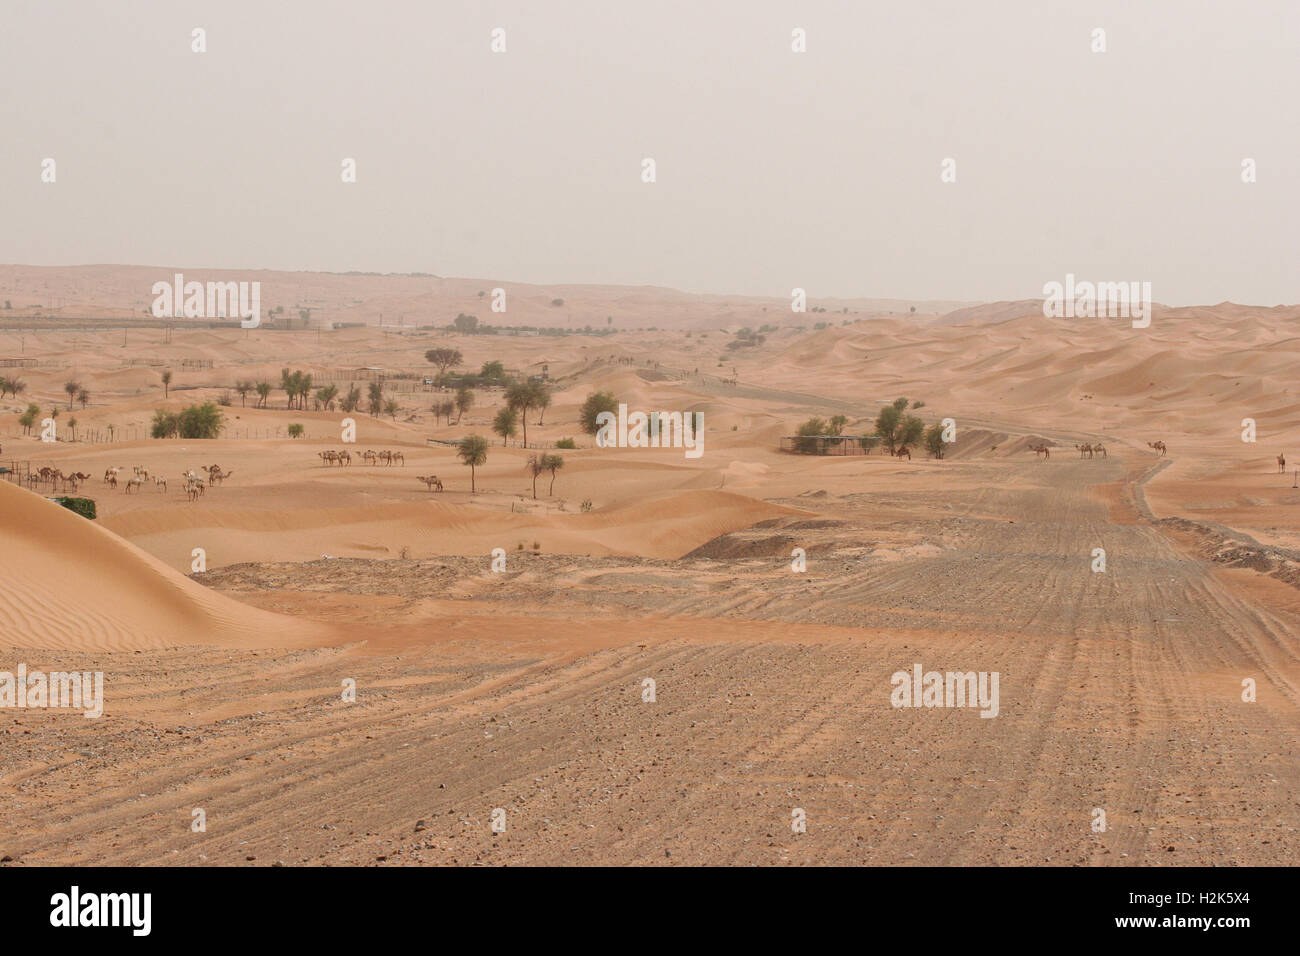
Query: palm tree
72	427
72	388
504	424
552	463
473	451
83	396
167	381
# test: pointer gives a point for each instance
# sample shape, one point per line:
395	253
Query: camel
194	489
112	481
111	473
160	482
218	476
1085	451
136	482
1158	446
1099	449
431	480
396	456
345	458
329	457
903	452
1281	464
1041	450
370	456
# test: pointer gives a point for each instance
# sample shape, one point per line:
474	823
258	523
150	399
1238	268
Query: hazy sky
775	169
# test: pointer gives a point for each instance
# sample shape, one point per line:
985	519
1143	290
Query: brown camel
1085	451
431	480
1099	449
1159	446
1041	450
1281	464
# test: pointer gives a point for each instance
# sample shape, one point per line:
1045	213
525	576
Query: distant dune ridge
70	584
115	291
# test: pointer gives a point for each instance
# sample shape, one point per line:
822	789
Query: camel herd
196	482
344	458
1092	449
68	481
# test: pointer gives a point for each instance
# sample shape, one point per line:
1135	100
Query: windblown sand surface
523	689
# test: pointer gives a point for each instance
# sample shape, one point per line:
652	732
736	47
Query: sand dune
71	584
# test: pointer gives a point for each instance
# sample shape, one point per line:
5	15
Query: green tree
295	430
167	382
552	463
493	370
445	359
934	442
473	451
375	398
353	400
391	408
201	421
263	390
596	403
910	432
72	388
504	424
888	423
808	433
464	402
243	387
521	396
466	324
28	418
165	424
536	469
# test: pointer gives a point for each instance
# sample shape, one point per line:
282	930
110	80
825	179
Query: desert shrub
295	430
82	506
566	443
